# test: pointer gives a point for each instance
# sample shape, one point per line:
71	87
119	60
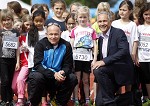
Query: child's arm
134	50
95	52
18	58
72	42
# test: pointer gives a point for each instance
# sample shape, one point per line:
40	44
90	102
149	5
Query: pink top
83	36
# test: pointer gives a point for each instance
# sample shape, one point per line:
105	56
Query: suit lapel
100	46
109	40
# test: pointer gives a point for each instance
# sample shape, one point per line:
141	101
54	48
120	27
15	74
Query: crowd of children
20	30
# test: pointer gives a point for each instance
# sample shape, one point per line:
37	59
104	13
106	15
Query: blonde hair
75	4
103	6
5	13
83	9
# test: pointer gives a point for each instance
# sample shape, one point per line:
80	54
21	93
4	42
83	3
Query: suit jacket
118	56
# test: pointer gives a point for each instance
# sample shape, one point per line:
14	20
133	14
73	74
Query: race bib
10	42
144	44
82	54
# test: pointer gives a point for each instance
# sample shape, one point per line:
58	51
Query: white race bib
82	54
10	42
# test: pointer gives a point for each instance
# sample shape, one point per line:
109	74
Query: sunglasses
50	24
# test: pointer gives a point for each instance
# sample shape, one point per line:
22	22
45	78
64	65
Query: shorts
145	71
84	66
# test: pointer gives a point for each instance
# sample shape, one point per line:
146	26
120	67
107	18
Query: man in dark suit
114	66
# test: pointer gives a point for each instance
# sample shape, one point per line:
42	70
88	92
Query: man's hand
98	64
59	77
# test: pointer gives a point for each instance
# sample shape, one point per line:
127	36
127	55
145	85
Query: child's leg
86	85
44	98
14	82
7	71
148	90
128	88
78	74
21	83
95	90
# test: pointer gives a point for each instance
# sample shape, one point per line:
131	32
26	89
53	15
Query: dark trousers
7	71
106	86
37	83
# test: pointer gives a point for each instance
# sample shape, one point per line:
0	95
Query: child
58	7
144	47
129	27
36	33
18	25
24	11
83	40
46	10
36	7
15	7
70	24
65	14
9	56
102	6
26	24
74	6
20	76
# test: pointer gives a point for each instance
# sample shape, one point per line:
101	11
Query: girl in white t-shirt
129	27
70	24
144	46
36	33
83	41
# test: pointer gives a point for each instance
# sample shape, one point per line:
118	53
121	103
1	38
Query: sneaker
12	103
19	104
28	103
94	104
45	104
2	103
76	103
146	103
54	102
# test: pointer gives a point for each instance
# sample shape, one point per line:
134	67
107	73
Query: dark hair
45	5
39	13
24	11
15	6
130	7
144	8
24	19
33	35
139	3
71	15
36	6
58	1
